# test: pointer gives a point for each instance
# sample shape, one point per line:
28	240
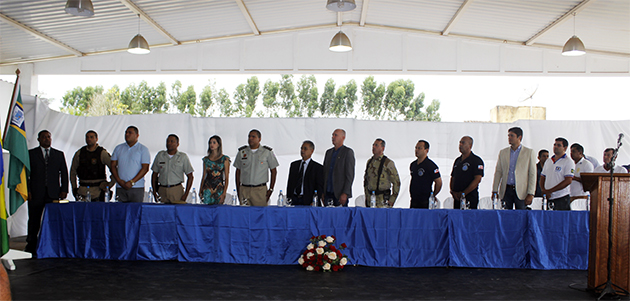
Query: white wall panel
555	62
221	56
138	63
522	59
268	53
180	58
602	64
376	50
479	57
431	53
98	64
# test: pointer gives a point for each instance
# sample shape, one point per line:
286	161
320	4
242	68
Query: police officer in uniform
381	176
466	175
425	177
251	163
89	164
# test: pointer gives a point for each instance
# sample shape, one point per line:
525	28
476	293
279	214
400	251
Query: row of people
515	177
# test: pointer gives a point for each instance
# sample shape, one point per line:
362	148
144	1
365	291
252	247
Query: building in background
509	114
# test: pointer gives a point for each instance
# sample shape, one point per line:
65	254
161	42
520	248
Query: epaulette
242	147
268	148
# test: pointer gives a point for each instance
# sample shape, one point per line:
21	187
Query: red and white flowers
322	255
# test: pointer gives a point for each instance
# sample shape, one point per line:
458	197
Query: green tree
372	96
270	97
246	96
107	104
307	95
338	106
129	97
206	99
175	97
351	97
149	99
328	98
414	112
78	100
399	95
225	105
432	111
189	100
287	95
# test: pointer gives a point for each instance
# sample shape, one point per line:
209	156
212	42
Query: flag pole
13	99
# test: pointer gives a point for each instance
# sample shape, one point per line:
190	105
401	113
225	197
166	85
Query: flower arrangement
322	255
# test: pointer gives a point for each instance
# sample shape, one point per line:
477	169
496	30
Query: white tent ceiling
40	31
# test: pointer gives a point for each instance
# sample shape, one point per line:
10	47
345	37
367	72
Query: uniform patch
421	172
465	166
558	168
437	170
480	167
572	171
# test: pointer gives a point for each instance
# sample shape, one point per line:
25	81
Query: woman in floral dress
216	172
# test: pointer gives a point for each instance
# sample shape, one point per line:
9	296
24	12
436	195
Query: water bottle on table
88	196
545	206
234	198
107	198
432	204
462	202
314	204
280	199
373	200
193	197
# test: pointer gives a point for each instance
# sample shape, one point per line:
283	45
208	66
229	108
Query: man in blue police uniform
466	174
424	173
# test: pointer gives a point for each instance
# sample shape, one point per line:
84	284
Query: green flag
15	143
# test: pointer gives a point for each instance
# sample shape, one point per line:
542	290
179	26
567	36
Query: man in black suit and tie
305	177
47	182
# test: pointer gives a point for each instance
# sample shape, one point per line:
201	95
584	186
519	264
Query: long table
273	235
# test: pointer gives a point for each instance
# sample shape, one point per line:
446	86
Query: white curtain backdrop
285	136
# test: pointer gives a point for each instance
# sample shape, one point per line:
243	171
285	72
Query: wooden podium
599	186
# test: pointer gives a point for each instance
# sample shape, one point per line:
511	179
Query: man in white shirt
581	165
605	168
557	175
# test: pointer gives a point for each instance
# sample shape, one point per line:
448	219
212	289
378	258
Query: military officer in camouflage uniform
251	163
382	168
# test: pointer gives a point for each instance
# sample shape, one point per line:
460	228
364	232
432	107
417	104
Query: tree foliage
281	98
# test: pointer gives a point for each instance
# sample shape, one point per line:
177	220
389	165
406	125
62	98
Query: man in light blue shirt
130	162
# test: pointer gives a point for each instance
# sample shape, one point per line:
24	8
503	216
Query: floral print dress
212	187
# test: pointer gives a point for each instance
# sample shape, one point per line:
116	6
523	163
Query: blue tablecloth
272	235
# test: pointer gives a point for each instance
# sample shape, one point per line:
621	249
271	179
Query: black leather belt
263	184
169	186
511	186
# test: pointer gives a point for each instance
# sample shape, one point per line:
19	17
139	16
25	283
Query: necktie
298	188
47	156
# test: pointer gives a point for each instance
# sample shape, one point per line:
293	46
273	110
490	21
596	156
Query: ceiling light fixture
82	8
340	43
341	5
574	46
138	44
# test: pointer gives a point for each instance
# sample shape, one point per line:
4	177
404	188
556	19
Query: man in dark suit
48	181
339	170
305	177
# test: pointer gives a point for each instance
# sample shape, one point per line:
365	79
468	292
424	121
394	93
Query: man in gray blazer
338	170
515	173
